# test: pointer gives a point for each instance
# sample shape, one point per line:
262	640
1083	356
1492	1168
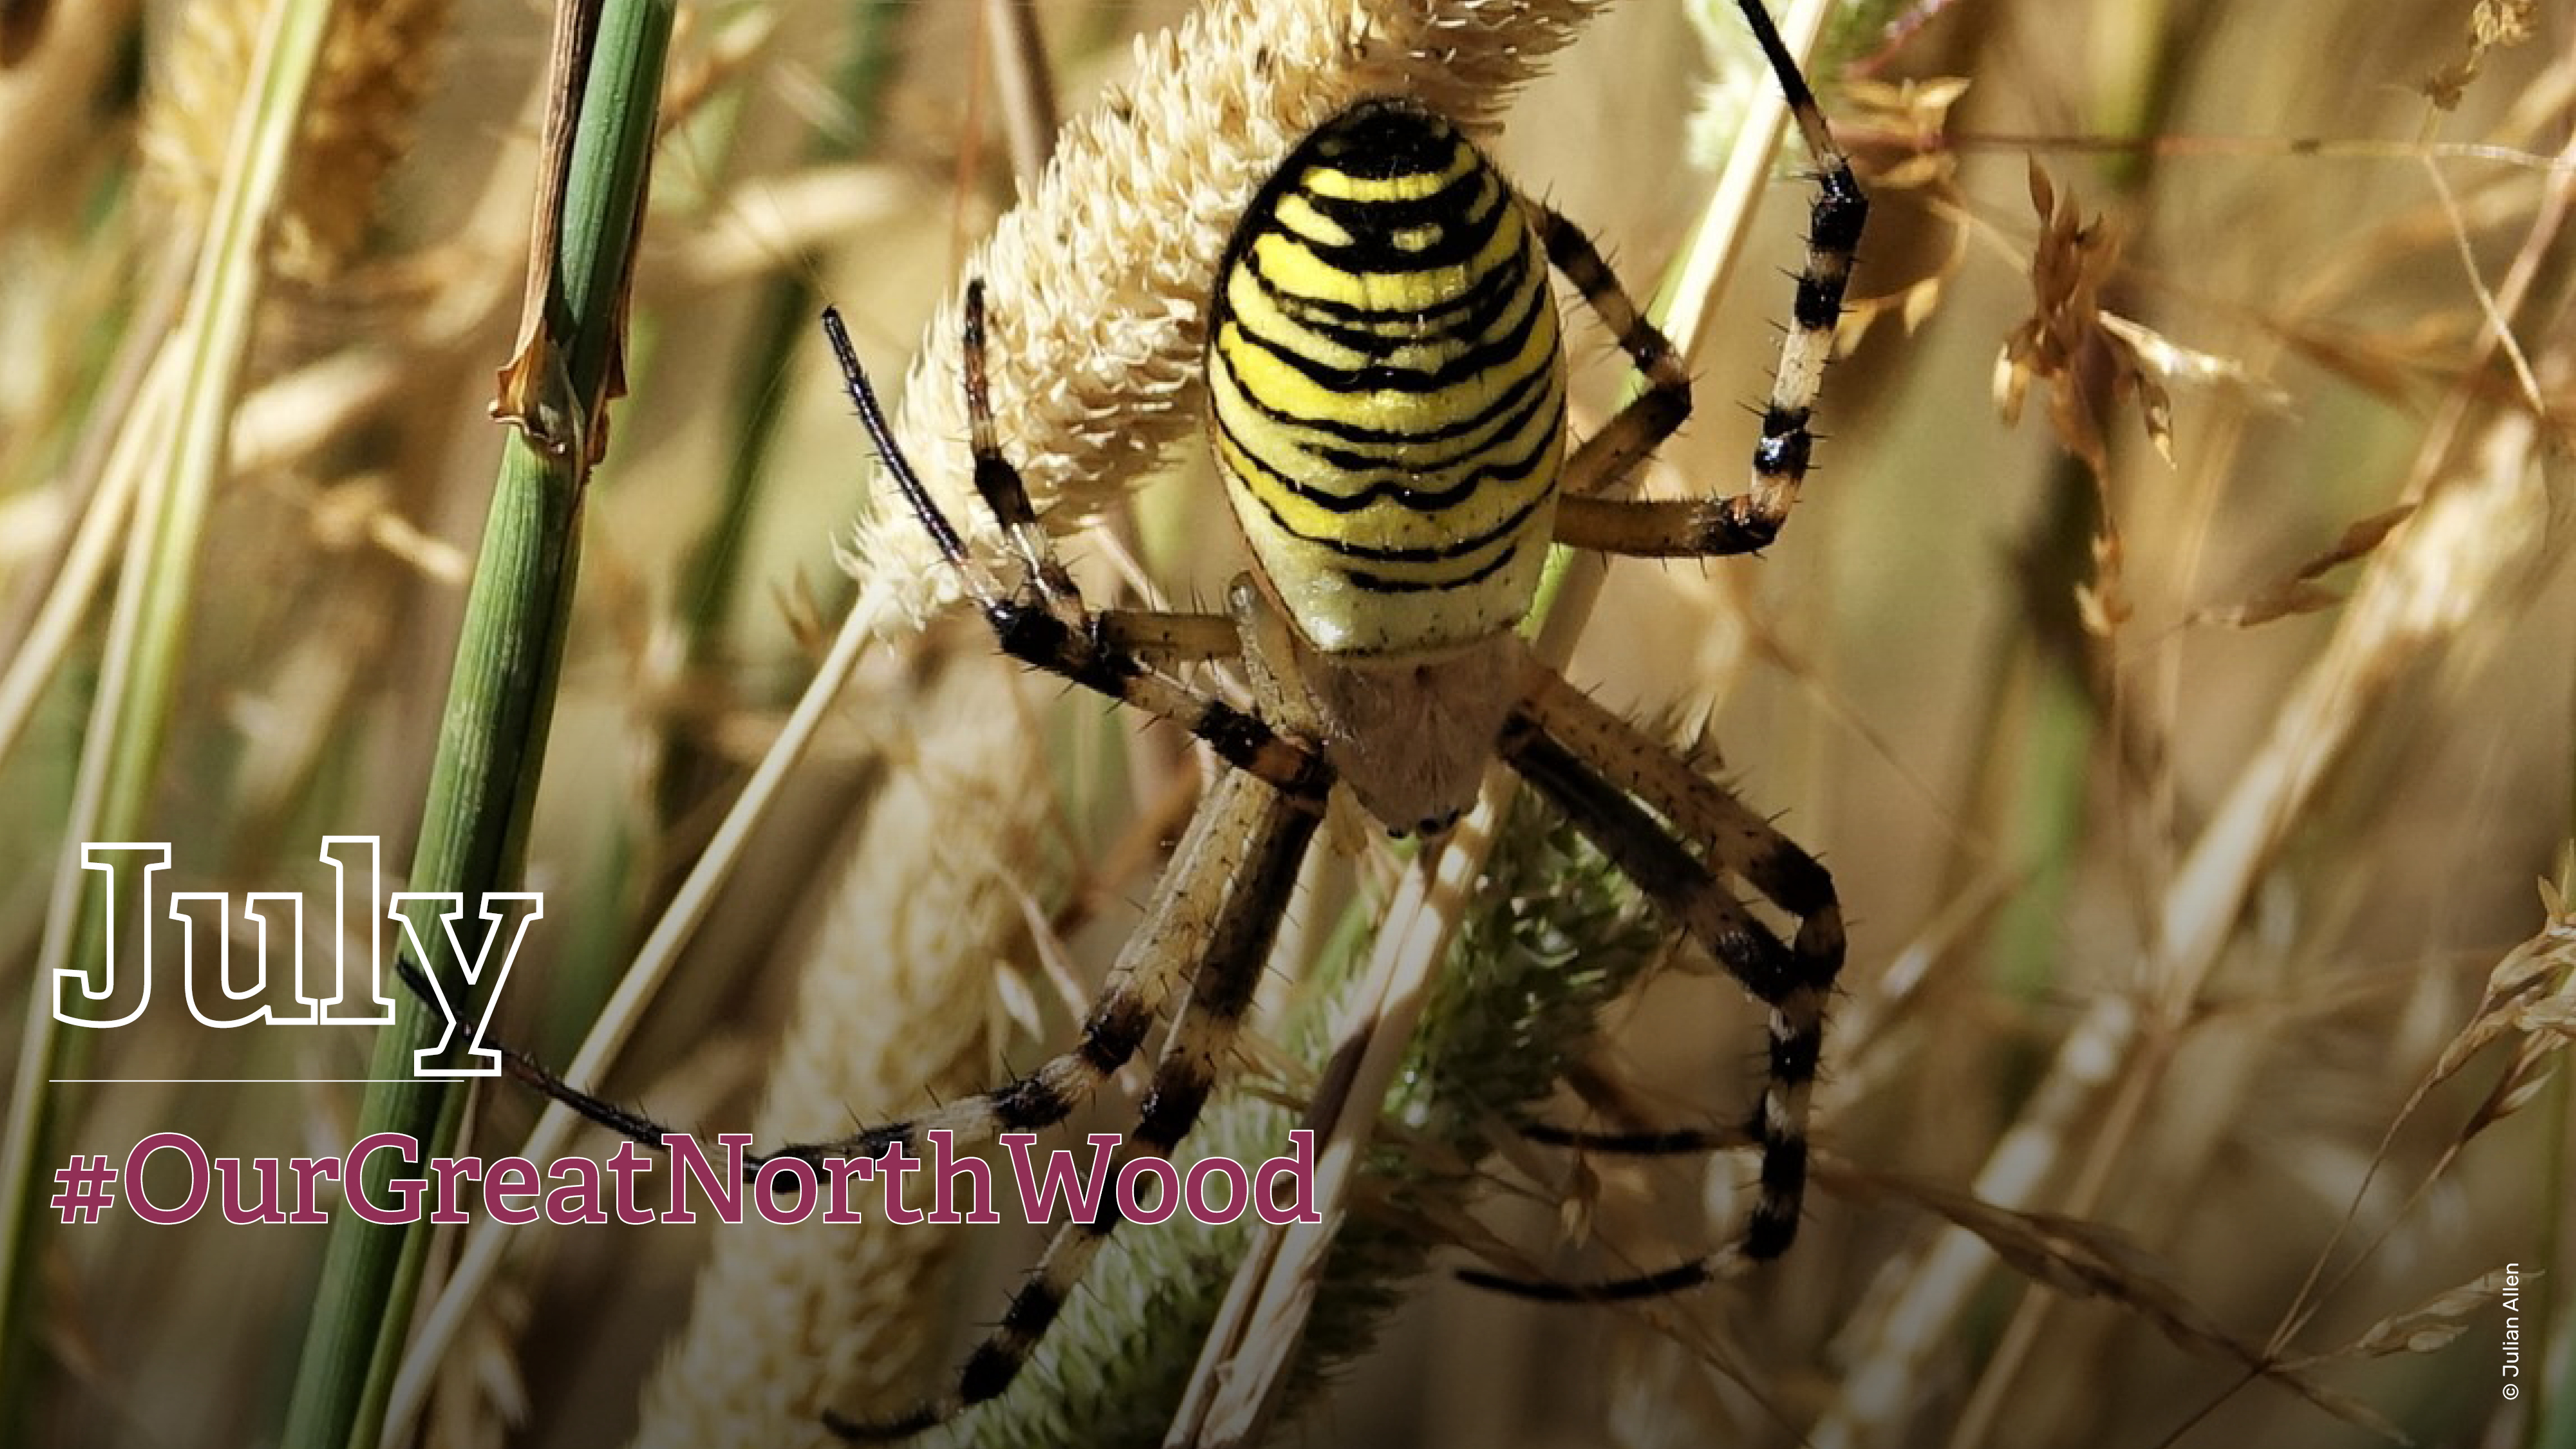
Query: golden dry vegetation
2186	750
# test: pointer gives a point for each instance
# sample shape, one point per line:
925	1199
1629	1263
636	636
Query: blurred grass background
2172	874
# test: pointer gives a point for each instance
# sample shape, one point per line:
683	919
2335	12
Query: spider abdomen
1388	388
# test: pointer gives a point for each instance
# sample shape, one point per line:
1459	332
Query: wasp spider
1387	389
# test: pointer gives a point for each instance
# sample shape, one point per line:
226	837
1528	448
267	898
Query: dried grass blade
2468	555
2083	1259
147	633
2425	1328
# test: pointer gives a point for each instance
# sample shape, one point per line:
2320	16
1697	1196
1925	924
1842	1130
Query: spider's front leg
1597	767
1637	429
1045	623
1207	932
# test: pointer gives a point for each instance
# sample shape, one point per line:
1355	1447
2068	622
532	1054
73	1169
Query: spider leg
520	1067
1167	638
1045	623
1186	920
1048	626
1746	523
1597	766
1648	418
1663	1142
1214	919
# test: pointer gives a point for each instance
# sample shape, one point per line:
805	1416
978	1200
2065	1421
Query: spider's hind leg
1597	767
1213	919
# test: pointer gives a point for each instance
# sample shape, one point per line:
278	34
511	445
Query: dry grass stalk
2068	340
891	1010
2531	998
2429	1326
2083	1259
2493	25
2466	557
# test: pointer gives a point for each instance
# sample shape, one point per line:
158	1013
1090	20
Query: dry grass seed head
2067	340
376	68
892	1006
2493	25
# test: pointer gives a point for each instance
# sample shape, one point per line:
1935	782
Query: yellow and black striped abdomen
1388	387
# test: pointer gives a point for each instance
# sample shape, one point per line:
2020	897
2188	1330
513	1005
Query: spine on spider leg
1555	936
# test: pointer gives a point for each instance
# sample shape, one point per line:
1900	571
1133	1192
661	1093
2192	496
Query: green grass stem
499	704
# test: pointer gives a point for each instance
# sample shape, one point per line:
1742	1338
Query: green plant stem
2060	718
499	705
